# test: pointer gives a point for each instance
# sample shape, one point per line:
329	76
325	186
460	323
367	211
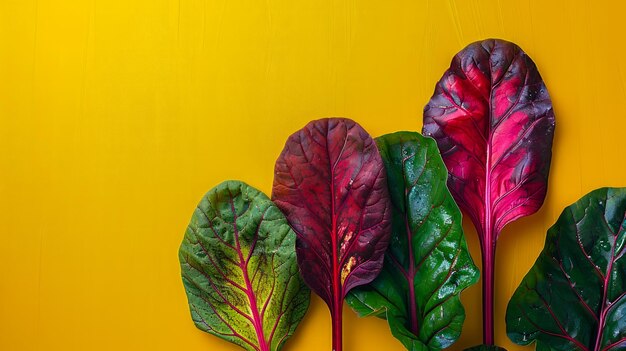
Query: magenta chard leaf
239	269
574	297
427	264
492	119
330	182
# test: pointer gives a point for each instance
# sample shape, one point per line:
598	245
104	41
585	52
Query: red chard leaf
331	184
492	118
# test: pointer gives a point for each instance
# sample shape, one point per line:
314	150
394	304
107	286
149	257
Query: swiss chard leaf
493	121
331	184
574	297
239	269
427	264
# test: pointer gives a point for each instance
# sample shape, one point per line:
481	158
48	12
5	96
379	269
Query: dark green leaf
573	297
239	269
427	264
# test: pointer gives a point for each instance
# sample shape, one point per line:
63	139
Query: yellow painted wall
117	115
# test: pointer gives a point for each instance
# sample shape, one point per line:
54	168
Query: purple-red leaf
493	121
331	184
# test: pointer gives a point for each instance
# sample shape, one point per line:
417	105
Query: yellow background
116	116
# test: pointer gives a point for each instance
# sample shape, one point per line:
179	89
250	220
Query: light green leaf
239	269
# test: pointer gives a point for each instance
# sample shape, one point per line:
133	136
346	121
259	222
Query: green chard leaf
573	298
427	264
239	269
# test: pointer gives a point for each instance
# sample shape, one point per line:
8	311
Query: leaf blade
580	267
330	183
490	112
427	264
239	269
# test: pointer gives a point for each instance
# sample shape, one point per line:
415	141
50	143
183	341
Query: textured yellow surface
117	116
